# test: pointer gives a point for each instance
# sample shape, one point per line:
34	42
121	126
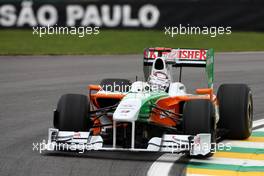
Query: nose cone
127	110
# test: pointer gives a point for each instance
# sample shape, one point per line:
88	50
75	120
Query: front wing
199	144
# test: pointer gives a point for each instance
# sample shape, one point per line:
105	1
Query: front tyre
199	117
72	113
236	110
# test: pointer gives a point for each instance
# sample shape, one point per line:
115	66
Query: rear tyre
114	84
236	110
199	117
72	113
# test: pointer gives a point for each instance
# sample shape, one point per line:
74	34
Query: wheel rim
250	113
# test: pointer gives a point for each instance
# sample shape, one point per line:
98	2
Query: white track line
260	129
162	166
258	122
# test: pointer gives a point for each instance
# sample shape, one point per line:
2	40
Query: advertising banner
240	15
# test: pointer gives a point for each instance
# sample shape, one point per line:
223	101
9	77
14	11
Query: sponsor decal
197	140
76	135
154	54
186	54
128	105
125	111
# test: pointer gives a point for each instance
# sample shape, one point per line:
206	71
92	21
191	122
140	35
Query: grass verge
22	42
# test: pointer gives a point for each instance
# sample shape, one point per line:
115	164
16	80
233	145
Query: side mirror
94	87
205	91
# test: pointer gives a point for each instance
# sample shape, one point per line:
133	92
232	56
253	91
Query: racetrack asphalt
30	87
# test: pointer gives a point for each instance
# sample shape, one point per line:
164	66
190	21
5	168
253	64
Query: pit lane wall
136	14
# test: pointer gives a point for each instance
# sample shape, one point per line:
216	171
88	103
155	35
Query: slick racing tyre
113	84
72	113
199	117
236	110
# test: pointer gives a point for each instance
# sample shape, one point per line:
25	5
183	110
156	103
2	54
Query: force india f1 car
157	115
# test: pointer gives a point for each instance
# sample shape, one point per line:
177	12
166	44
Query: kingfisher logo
188	54
184	54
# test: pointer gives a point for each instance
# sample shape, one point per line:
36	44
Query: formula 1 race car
156	115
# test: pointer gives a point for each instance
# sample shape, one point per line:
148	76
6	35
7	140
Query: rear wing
184	58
